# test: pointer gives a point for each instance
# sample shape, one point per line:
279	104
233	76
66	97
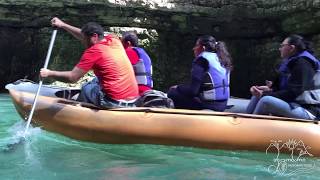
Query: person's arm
64	76
256	91
301	78
199	69
76	32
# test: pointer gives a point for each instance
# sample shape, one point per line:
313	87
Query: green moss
252	30
302	23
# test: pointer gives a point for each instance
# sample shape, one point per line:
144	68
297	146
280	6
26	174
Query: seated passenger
210	74
297	93
140	61
115	85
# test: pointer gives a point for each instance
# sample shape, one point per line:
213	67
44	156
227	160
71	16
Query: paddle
12	146
53	37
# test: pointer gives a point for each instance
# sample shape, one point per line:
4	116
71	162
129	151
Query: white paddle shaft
53	37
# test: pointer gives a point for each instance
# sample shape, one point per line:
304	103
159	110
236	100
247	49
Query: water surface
46	155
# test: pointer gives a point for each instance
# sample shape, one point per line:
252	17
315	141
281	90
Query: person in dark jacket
296	95
210	77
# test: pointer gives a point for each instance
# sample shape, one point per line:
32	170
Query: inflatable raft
55	112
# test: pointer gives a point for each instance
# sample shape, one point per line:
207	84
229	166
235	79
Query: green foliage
254	62
301	23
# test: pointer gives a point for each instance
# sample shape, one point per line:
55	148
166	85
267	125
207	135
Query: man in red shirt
140	61
115	85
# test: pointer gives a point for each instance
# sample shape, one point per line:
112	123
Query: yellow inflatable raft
204	129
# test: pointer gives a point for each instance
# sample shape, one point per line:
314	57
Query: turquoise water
46	155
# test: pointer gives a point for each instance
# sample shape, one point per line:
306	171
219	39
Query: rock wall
252	30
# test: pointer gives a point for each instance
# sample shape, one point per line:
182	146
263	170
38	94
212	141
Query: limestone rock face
252	30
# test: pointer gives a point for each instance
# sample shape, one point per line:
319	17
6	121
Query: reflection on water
52	156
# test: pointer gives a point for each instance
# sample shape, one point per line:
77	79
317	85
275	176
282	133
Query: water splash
18	136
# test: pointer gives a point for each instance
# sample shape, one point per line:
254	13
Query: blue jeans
271	105
91	93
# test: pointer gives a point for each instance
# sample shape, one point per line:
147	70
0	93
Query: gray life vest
216	83
143	68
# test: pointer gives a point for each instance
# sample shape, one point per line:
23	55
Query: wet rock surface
252	30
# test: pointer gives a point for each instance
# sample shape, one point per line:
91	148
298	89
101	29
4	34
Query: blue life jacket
309	96
217	80
284	70
143	68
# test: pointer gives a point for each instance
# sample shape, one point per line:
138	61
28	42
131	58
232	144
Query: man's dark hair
130	36
90	28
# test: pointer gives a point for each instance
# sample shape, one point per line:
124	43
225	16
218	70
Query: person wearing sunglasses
297	93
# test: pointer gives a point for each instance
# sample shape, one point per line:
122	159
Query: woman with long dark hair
297	95
210	77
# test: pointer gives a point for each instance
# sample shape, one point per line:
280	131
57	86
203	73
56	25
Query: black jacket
301	73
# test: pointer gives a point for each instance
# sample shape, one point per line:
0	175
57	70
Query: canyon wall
252	29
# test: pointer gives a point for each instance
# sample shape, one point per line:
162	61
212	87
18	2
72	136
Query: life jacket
309	96
143	68
217	80
284	70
